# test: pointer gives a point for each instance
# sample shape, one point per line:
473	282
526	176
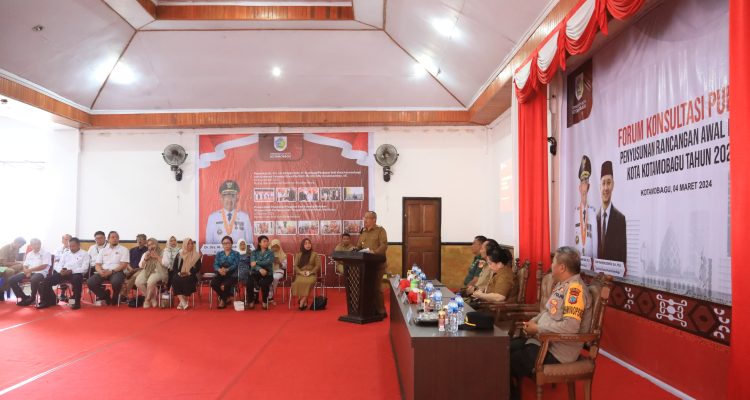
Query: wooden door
421	235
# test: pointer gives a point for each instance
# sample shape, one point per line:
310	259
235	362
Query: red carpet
106	352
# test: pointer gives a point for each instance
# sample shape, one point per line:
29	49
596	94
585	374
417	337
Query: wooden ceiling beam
63	113
496	98
278	118
254	13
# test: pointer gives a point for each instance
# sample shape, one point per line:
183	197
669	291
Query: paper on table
365	250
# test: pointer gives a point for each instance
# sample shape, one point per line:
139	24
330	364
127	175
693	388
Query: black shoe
42	306
76	306
25	302
303	308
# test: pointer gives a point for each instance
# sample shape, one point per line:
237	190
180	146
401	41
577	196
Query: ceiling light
419	71
122	74
276	71
429	65
446	26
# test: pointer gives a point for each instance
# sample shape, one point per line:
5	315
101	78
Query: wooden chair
582	369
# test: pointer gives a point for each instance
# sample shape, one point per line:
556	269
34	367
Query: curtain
739	123
533	196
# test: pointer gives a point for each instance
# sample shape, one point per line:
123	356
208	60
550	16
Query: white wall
126	186
504	222
39	178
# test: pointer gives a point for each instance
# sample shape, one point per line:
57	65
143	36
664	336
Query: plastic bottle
437	297
452	316
460	304
441	321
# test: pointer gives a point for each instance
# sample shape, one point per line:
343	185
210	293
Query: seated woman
279	267
152	272
261	271
501	285
306	267
245	258
167	258
226	266
186	266
486	273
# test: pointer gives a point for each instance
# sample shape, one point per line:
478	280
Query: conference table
441	365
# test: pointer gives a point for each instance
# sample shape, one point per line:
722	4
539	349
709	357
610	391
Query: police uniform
568	310
585	218
376	240
232	223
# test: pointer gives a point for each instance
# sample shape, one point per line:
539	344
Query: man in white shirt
229	221
65	247
110	263
95	249
71	267
35	267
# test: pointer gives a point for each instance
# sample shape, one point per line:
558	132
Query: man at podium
374	238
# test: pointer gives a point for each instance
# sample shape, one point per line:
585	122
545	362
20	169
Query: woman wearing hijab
279	267
167	259
186	265
261	273
306	267
152	272
245	259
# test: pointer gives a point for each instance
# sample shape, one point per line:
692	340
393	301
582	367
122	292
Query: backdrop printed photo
252	184
645	153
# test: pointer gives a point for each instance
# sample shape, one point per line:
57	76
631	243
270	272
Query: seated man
568	305
110	264
64	248
9	265
94	250
35	267
501	285
345	245
133	269
71	267
473	274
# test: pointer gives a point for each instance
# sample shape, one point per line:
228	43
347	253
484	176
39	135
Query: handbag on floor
319	303
137	302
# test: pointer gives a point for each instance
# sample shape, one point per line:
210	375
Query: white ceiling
226	65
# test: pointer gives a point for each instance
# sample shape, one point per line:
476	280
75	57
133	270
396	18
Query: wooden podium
360	272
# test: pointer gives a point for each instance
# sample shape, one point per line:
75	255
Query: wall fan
386	155
175	155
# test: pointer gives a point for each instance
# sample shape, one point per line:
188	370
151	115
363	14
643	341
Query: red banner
285	186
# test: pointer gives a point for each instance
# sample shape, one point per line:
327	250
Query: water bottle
437	297
414	268
422	281
460	306
452	316
429	288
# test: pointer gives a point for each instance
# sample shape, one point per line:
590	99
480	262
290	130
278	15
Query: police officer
568	310
585	215
228	221
373	237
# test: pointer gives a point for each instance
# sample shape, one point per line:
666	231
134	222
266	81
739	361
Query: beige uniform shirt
374	239
568	310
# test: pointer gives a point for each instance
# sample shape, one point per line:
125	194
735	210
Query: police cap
584	170
229	187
